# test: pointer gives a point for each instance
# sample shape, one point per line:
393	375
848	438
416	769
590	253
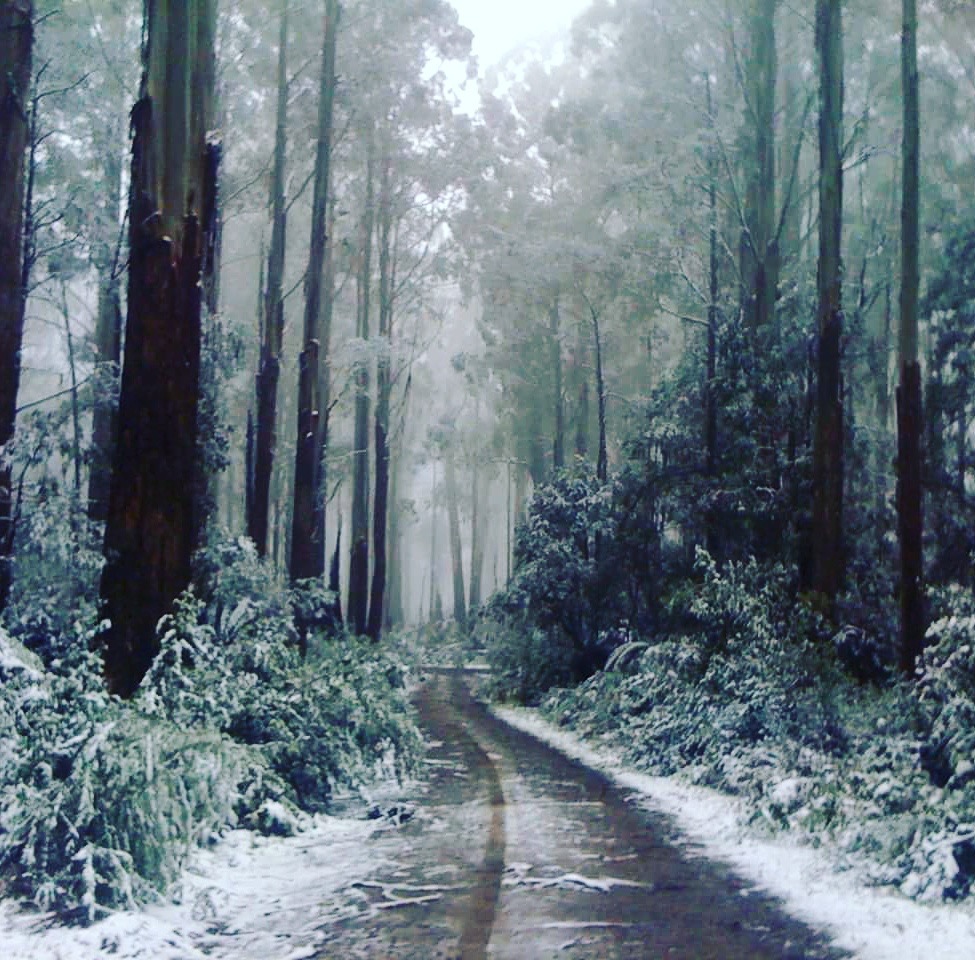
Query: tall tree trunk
153	524
909	413
395	614
381	424
307	542
477	540
16	43
602	462
759	255
828	558
108	348
433	543
359	560
269	369
558	441
104	418
710	400
456	555
75	401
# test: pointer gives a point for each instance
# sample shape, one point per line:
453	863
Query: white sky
500	25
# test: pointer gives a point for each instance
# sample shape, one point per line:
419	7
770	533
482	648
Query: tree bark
759	256
602	462
266	386
307	542
909	413
16	44
456	556
828	556
710	400
359	560
153	523
558	441
381	421
477	540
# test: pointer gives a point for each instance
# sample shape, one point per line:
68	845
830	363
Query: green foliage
552	625
102	802
751	697
102	799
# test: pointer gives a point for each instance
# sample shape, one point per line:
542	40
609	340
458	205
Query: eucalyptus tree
909	415
153	524
16	44
828	557
308	520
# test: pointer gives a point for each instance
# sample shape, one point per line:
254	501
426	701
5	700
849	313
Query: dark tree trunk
759	256
477	540
265	437
827	529
558	441
153	524
602	463
16	44
710	400
433	543
359	560
456	557
909	412
381	502
108	343
395	614
307	542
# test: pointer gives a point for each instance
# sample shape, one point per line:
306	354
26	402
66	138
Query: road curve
517	853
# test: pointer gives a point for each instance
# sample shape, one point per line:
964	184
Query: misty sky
499	25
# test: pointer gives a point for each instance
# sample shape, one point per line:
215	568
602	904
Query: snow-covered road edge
872	923
248	898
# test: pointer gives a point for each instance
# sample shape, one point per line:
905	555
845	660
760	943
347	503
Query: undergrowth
240	722
754	697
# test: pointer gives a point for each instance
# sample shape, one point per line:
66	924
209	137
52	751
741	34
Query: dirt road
516	852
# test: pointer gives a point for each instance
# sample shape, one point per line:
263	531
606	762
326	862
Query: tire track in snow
479	923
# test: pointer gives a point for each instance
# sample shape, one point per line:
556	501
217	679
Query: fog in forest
622	348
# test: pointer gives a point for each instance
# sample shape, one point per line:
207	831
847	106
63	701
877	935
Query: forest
639	365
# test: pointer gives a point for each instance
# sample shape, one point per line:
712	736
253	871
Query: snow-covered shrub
235	665
99	802
552	624
946	690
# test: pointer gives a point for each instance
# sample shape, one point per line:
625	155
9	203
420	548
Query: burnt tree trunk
266	387
910	519
827	528
380	510
16	44
307	560
153	524
359	559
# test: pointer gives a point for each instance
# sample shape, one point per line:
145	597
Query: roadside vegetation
244	720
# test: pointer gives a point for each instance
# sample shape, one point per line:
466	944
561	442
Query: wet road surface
516	852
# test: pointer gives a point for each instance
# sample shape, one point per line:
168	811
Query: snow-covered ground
249	898
872	923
